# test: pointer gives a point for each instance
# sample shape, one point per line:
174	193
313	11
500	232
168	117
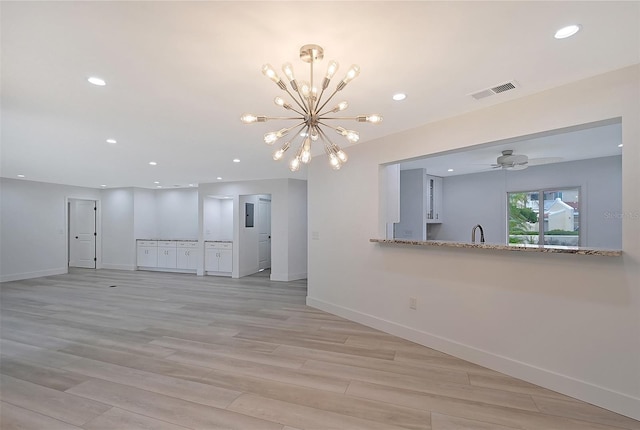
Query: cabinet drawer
147	242
187	244
167	243
219	245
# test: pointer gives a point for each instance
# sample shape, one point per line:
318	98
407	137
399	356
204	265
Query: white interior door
82	233
264	234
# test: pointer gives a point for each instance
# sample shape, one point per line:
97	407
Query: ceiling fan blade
544	160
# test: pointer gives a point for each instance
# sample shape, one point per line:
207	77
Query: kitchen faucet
473	234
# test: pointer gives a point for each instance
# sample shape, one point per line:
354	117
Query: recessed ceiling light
567	31
111	141
103	185
156	182
97	81
399	96
449	170
236	160
152	163
20	176
219	178
159	186
192	185
619	146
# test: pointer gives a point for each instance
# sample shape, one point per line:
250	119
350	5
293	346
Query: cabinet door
433	198
147	256
167	257
225	260
211	260
187	258
192	259
437	200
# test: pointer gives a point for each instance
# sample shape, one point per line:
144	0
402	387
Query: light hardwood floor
108	349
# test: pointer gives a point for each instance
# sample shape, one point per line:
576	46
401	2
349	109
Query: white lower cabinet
187	255
147	253
167	255
218	258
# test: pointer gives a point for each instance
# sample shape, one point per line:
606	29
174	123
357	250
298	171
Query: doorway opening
254	244
82	233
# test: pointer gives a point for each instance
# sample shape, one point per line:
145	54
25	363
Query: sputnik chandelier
313	116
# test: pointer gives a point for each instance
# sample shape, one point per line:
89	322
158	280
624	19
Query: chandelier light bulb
342	155
287	68
305	89
332	68
333	160
270	73
294	164
306	156
351	135
353	73
374	119
272	136
279	101
371	119
314	135
342	106
280	152
248	118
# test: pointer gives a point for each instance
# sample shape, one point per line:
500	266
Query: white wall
288	220
480	198
579	335
177	214
145	214
218	219
33	227
298	231
118	245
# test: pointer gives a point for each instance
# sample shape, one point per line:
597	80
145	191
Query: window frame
541	192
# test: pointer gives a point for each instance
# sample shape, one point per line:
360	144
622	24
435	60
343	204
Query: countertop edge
575	251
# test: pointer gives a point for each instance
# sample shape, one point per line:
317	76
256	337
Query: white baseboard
615	401
286	277
31	275
118	266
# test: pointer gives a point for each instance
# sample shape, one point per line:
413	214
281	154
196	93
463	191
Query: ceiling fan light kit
310	112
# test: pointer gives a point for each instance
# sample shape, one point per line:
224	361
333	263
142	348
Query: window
554	220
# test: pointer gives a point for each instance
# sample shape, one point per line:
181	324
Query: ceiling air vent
501	88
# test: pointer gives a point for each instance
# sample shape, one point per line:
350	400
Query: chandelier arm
354	118
326	125
318	102
324	136
327	101
284	117
295	100
298	112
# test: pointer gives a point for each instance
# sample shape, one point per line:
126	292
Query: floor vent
501	88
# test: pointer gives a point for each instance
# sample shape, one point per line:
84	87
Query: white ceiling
180	74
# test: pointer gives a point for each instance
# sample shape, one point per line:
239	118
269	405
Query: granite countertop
522	248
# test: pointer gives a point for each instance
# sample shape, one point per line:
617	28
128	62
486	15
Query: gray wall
412	223
480	198
33	233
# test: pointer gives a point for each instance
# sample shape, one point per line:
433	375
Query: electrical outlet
413	303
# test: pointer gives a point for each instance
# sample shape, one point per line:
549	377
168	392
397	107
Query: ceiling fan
510	161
